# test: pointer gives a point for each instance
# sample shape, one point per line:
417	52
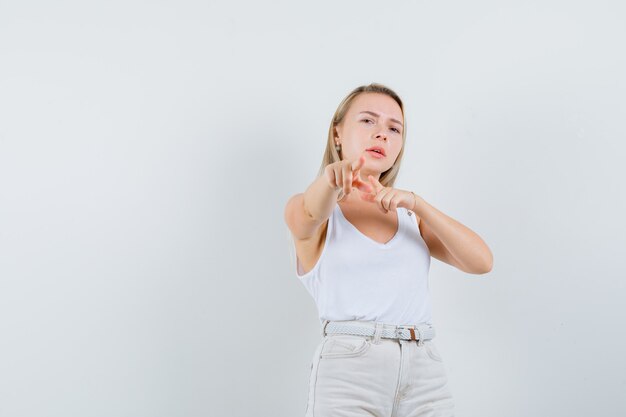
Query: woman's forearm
320	198
463	244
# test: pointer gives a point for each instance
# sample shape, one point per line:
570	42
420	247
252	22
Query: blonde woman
363	252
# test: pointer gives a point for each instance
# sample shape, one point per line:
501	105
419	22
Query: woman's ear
338	131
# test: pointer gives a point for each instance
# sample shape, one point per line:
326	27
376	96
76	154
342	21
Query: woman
363	252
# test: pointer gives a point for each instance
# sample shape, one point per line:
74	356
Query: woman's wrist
414	206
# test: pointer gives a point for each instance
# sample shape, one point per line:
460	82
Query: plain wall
147	151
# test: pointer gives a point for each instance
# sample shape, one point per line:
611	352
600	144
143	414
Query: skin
359	130
367	202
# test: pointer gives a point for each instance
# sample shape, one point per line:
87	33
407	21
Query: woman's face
373	120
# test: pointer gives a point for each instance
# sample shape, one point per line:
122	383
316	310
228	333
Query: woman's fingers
377	186
358	181
338	176
349	174
347	178
358	164
363	186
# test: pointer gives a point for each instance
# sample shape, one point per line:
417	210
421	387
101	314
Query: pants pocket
345	346
432	351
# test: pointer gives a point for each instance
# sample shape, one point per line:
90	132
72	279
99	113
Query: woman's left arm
447	240
450	241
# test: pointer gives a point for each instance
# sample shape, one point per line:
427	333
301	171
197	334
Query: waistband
419	332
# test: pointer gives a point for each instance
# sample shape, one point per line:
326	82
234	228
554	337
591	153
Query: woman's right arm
305	212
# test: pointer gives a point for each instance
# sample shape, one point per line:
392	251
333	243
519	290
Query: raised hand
388	198
346	174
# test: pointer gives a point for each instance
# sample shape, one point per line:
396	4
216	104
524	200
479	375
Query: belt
388	331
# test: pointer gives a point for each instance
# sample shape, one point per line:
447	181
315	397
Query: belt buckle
399	330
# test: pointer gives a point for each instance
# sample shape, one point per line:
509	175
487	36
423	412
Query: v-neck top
388	244
358	278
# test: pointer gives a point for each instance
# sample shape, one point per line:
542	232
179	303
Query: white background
147	150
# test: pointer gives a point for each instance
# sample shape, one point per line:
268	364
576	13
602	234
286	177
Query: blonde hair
331	155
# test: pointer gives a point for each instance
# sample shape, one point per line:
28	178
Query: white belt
415	332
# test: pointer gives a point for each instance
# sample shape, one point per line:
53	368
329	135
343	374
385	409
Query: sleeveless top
358	278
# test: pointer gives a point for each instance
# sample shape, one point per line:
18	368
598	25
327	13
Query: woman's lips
376	154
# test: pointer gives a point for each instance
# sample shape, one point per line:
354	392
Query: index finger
377	185
358	164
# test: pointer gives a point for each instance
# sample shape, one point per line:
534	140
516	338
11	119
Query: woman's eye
393	128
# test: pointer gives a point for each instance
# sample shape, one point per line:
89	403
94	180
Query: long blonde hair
331	155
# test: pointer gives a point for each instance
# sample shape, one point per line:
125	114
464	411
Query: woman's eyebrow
377	115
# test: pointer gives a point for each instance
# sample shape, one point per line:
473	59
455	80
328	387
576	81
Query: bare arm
320	199
451	241
305	212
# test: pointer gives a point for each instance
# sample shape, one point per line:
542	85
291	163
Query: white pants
354	376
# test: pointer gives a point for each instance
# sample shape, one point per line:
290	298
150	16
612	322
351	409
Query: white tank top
358	278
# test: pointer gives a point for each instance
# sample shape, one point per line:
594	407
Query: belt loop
378	332
324	327
398	332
